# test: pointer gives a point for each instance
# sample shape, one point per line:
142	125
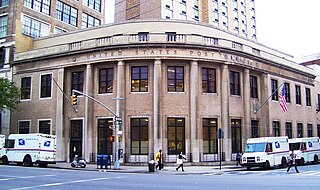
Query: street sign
220	134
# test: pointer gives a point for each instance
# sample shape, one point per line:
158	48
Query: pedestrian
180	161
292	161
238	158
159	160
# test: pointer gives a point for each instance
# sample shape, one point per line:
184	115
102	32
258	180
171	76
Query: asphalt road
19	177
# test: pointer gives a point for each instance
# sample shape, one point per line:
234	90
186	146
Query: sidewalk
170	168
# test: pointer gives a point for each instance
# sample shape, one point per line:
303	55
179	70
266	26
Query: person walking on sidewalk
292	161
159	160
180	161
238	158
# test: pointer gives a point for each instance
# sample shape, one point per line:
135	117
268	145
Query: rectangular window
299	130
42	6
175	79
24	127
105	80
4	3
77	81
234	83
310	130
308	97
89	21
93	4
176	135
274	89
34	28
254	129
143	36
289	130
44	127
318	129
45	86
276	128
25	88
59	30
139	79
298	95
209	80
287	93
139	136
253	86
210	141
105	136
236	136
66	13
3	26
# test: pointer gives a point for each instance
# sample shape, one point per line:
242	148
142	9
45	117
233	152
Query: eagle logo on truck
47	144
277	144
22	142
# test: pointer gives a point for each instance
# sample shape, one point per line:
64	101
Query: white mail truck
2	144
29	149
266	152
306	150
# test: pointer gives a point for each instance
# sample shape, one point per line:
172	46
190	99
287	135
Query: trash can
151	166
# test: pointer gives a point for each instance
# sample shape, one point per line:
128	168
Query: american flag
282	100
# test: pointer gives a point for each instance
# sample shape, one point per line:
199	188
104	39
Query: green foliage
9	95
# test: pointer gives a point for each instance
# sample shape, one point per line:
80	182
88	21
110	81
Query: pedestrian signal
111	138
74	100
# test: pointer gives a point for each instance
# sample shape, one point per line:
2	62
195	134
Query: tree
9	95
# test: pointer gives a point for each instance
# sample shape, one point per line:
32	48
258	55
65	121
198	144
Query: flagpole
268	99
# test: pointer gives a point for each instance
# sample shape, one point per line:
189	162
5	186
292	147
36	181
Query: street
18	178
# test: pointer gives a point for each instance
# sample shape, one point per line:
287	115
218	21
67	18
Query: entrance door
75	139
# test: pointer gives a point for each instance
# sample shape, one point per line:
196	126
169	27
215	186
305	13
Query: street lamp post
118	123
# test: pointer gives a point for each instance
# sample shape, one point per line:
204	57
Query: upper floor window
289	129
276	128
310	130
66	13
175	79
299	130
253	87
4	3
44	127
3	26
298	95
308	97
93	4
77	81
287	92
234	83
45	89
89	21
24	127
209	80
254	128
274	89
34	28
42	6
106	80
139	79
25	88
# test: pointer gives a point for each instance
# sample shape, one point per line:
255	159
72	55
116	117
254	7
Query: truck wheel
316	159
5	160
266	165
283	163
27	161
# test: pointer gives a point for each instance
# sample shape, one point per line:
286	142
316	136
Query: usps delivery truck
306	150
29	149
266	152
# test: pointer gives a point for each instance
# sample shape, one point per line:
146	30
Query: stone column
246	127
194	89
88	119
121	89
157	135
264	125
61	151
225	93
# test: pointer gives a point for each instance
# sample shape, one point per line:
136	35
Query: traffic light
74	99
111	138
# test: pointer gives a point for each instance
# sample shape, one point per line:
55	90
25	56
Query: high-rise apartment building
237	16
23	20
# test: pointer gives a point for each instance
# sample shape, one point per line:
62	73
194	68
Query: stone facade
192	49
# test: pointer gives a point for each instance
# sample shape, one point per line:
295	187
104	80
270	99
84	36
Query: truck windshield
295	146
255	147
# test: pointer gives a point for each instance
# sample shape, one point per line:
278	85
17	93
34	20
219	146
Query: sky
290	26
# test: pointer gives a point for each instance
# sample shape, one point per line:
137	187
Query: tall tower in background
237	16
21	21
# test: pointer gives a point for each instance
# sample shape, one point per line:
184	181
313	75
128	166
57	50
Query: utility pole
118	122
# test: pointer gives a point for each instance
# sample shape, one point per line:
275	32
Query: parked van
29	149
307	150
266	152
